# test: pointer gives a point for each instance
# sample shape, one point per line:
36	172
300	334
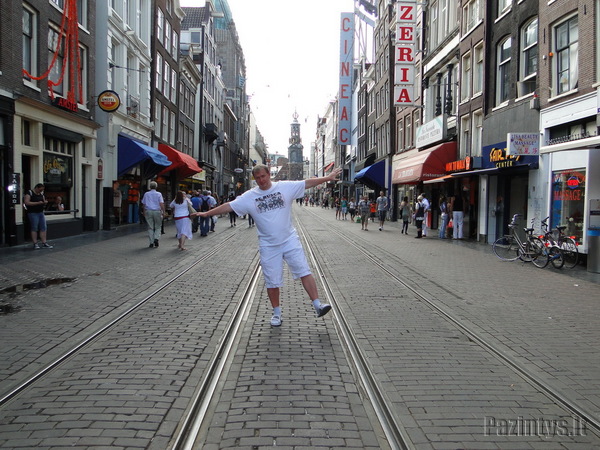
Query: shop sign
345	86
57	169
109	101
523	144
404	56
468	163
14	189
100	169
65	104
495	156
431	132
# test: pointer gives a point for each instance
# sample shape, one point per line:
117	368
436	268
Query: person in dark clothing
35	202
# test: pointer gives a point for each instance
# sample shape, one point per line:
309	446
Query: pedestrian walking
181	215
352	209
457	216
232	214
373	211
344	205
270	204
444	217
153	210
382	207
196	203
405	212
419	216
426	209
35	202
213	200
364	209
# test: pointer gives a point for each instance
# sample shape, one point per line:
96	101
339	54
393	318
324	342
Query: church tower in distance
295	155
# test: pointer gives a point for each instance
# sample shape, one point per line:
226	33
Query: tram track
575	408
47	368
392	427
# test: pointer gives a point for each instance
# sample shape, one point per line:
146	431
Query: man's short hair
153	185
257	168
205	192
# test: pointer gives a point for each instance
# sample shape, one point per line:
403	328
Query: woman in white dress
181	215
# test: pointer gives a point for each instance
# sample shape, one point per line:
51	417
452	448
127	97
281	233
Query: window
30	50
167	80
566	37
477	126
503	6
478	69
409	132
400	125
26	132
465	137
159	78
471	15
157	118
503	71
167	41
568	200
165	123
173	86
83	75
160	24
465	78
57	75
529	58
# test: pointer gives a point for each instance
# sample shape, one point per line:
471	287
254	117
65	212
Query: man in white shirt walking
153	209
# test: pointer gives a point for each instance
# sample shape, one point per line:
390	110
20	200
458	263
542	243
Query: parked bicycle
511	247
566	244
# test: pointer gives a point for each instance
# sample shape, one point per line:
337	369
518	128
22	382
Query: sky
291	49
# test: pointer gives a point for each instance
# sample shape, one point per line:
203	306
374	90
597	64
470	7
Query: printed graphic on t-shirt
269	202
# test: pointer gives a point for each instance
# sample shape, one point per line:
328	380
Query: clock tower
295	155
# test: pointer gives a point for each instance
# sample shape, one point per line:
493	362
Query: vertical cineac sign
404	54
346	70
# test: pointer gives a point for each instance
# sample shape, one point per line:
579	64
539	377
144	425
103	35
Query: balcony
210	132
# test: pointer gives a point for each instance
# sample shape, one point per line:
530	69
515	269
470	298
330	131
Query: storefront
503	190
138	163
182	167
573	183
56	147
410	171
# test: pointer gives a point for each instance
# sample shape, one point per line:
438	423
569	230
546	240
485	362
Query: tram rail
563	400
103	330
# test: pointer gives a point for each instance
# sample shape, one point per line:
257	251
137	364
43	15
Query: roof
195	17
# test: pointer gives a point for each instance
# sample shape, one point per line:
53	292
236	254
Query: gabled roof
195	17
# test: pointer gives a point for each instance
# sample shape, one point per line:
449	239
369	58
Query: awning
372	175
426	165
438	180
132	153
184	164
328	167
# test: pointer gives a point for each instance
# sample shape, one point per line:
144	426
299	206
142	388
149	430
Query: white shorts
271	260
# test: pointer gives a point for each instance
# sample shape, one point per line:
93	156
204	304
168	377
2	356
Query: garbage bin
593	257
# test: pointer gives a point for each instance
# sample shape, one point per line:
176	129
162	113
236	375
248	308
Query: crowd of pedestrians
450	212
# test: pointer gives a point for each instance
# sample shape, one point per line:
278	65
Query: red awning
328	167
426	165
184	164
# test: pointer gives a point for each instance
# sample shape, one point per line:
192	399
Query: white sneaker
276	321
323	309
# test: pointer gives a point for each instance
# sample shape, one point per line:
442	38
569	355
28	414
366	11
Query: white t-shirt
271	210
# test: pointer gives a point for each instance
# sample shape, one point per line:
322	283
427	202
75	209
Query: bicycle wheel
506	248
570	252
536	252
557	258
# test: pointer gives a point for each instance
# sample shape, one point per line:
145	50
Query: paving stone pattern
443	385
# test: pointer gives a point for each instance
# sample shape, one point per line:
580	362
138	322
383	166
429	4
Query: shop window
568	201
